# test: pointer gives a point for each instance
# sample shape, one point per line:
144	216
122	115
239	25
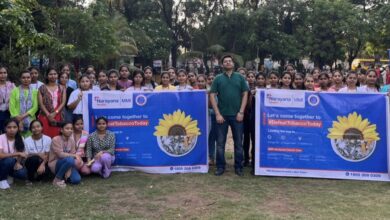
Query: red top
387	77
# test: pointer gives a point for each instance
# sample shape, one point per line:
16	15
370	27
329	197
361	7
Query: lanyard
36	148
78	142
65	146
3	98
9	150
25	98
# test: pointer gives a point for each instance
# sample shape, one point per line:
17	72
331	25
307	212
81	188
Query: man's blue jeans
237	132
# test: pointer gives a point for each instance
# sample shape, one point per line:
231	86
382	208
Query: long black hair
76	119
63	124
47	74
291	77
261	74
151	80
19	144
377	86
141	73
120	69
303	81
33	122
102	118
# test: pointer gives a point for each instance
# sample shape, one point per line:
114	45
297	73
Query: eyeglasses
323	78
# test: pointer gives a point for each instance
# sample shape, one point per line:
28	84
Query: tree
92	40
266	36
18	33
323	31
170	14
152	37
232	31
379	31
355	32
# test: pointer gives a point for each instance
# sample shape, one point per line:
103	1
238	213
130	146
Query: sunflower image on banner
353	138
177	133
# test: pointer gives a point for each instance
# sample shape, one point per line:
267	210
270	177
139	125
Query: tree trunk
174	54
350	60
41	62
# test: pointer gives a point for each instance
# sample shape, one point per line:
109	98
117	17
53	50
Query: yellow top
160	88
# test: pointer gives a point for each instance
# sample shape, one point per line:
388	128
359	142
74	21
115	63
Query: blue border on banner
134	116
299	151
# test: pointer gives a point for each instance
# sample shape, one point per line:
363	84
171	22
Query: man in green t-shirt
232	92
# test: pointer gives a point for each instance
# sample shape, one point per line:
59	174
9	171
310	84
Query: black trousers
249	138
32	163
253	134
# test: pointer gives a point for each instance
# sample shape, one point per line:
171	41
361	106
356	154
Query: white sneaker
4	184
10	180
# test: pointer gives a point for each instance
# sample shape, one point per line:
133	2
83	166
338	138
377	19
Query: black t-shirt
107	88
69	90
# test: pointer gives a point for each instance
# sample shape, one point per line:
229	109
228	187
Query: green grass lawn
135	195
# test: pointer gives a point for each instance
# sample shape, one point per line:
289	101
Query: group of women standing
316	81
43	127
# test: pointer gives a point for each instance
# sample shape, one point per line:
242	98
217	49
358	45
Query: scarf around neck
25	105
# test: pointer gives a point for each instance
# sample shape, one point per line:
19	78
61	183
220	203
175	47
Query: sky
87	2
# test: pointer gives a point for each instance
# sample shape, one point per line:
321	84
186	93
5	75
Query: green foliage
152	37
231	31
18	34
109	30
93	39
15	19
380	29
324	30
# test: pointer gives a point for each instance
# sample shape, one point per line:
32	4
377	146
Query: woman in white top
75	102
351	81
92	79
138	82
35	83
182	78
149	83
372	84
37	147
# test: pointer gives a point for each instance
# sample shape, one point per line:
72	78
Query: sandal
28	183
68	174
60	183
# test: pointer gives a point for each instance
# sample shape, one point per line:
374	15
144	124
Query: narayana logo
278	99
114	100
101	101
287	99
